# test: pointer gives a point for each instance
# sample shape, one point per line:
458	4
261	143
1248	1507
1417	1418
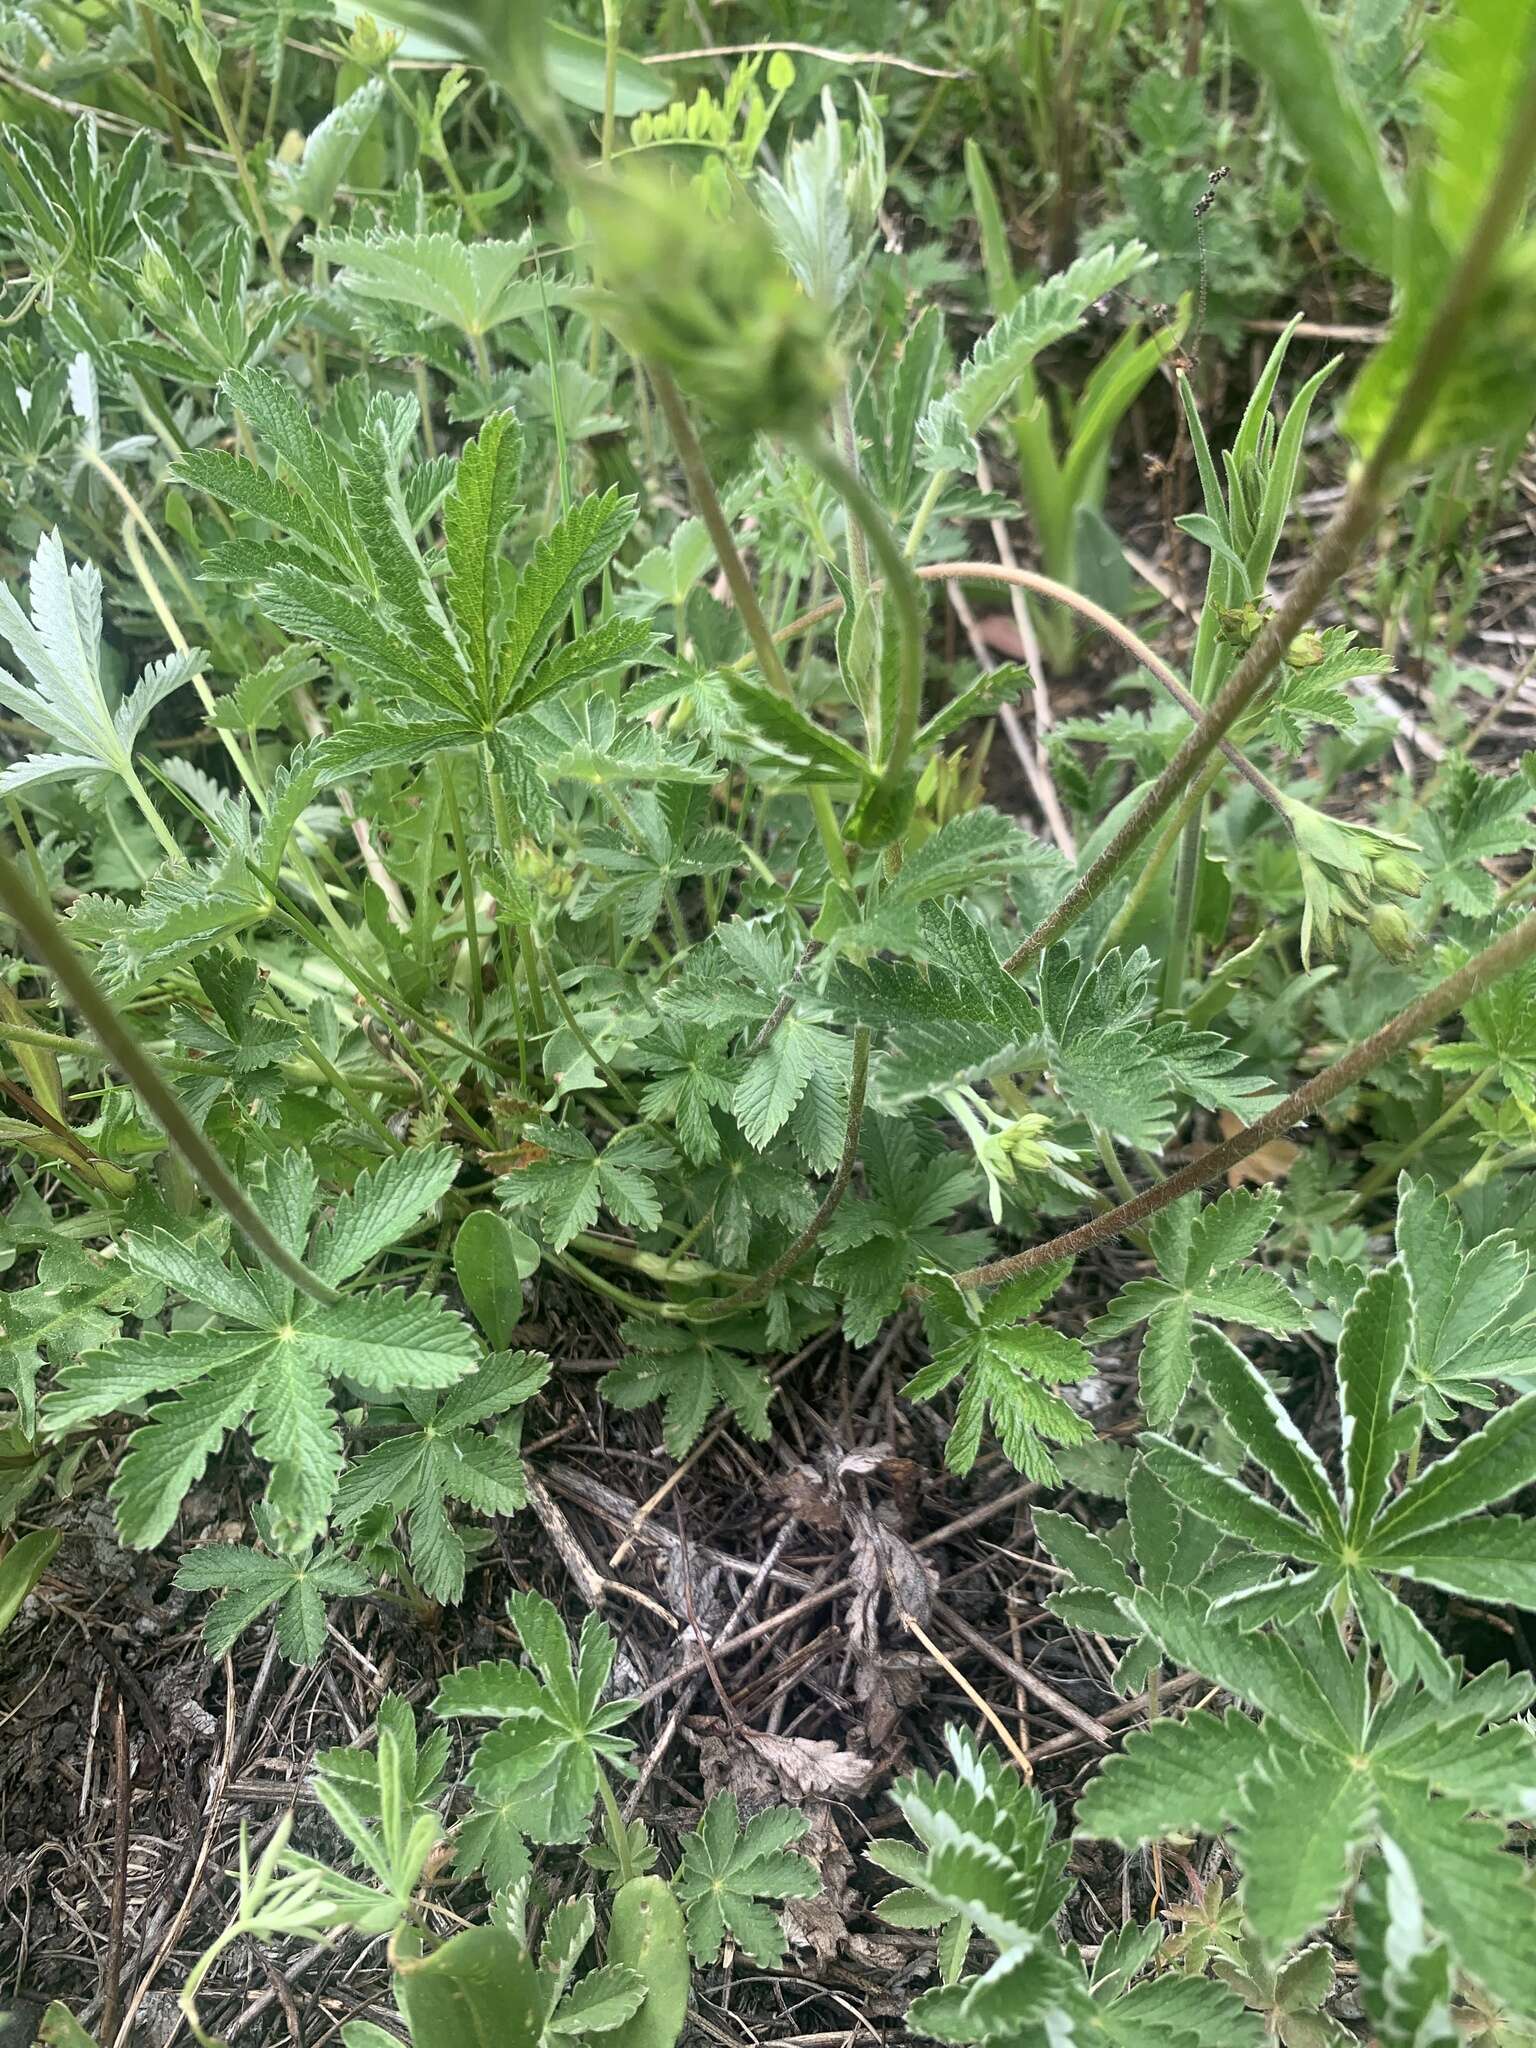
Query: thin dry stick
674	1720
587	1578
212	1813
1042	1689
1447	997
993	1719
123	1792
362	831
1044	718
1027	753
653	1501
834	1590
803	50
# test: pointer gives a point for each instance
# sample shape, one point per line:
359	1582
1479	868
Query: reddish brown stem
1447	997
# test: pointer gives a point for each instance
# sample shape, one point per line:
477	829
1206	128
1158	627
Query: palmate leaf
1471	1327
956	1016
252	1583
1354	1544
1500	1033
344	568
274	1369
692	1076
1200	1255
1328	1769
691	1377
1115	1067
443	1455
986	1862
1010	1369
535	1776
877	1241
728	1871
61	689
776	1079
1476	818
474	286
1168	1547
567	1181
668	839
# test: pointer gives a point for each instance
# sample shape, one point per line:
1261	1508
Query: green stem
1105	1147
1185	888
369	985
501	820
706	502
573	1025
209	73
360	1109
618	1834
152	817
612	20
1383	1175
925	511
1130	909
848	448
865	510
466	888
35	919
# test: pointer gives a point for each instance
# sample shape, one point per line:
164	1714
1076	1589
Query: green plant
1202	1276
267	1353
581	866
21	1568
728	1871
986	1863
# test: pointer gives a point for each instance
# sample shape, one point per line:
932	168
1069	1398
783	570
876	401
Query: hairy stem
1507	953
35	920
848	448
864	511
706	502
466	889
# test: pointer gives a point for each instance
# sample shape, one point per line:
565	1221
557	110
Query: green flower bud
1305	651
1022	1142
1396	872
1239	625
1391	933
710	301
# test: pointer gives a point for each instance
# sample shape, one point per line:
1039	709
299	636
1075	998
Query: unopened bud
1238	625
710	301
1305	651
1396	872
1391	933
